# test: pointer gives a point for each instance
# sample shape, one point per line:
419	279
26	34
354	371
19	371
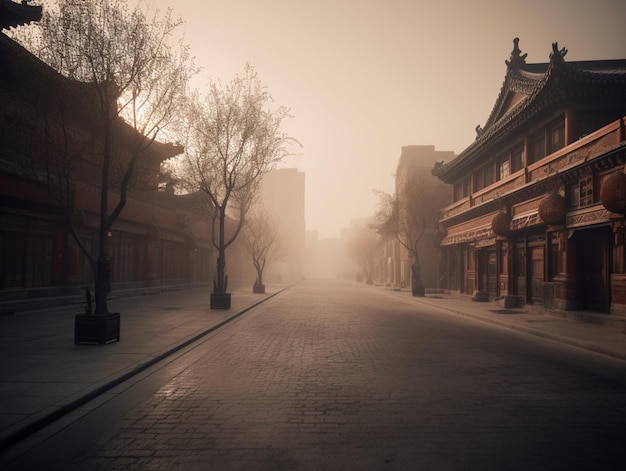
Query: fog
364	78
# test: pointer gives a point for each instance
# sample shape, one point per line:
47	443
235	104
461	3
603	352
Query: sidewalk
45	376
594	337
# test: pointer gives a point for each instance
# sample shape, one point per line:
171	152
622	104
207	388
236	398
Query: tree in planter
408	214
361	247
131	78
261	239
233	138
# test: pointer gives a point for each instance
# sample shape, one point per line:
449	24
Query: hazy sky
364	78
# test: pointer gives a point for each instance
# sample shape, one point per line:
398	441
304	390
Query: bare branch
232	138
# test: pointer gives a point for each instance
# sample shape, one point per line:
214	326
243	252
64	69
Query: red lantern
613	193
552	209
501	224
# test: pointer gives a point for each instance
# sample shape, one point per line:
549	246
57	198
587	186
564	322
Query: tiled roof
25	72
534	86
14	14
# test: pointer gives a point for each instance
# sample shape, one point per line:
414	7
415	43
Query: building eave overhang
537	188
18	65
543	86
14	14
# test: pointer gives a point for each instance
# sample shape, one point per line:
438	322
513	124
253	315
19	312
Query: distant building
327	258
393	266
539	196
360	243
282	192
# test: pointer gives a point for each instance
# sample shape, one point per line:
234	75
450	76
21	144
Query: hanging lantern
552	209
501	224
613	193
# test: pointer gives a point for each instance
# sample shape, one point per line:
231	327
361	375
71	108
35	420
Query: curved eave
166	150
132	138
559	82
26	72
16	14
516	81
19	66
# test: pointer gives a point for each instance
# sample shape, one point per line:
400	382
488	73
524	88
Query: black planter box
220	300
97	329
258	288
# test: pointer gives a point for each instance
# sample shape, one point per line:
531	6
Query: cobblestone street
342	377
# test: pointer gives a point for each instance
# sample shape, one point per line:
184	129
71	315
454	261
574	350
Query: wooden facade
159	239
532	220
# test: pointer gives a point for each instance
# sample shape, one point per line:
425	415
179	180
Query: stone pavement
45	376
603	339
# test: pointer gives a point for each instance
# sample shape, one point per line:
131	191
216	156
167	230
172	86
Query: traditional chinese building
539	196
159	238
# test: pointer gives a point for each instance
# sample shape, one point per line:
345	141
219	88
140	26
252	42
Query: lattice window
586	191
557	138
580	194
504	169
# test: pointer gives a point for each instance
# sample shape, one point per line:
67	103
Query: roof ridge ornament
557	54
517	60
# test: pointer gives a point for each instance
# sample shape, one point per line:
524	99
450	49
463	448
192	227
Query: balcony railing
586	149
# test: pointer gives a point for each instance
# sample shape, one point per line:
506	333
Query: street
341	376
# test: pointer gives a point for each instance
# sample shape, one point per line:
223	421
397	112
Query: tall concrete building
282	192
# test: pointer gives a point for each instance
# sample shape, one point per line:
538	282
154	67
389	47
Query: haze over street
365	77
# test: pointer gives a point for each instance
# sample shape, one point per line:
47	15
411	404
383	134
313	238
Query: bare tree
131	79
233	138
408	214
261	239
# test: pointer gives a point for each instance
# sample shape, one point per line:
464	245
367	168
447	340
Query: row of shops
159	239
540	195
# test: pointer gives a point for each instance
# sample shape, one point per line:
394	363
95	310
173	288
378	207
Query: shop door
593	256
535	294
488	272
519	270
492	273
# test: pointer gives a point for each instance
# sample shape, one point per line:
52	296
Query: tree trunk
104	264
417	287
259	276
103	283
220	283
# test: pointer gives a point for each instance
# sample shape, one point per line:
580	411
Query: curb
46	417
529	330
